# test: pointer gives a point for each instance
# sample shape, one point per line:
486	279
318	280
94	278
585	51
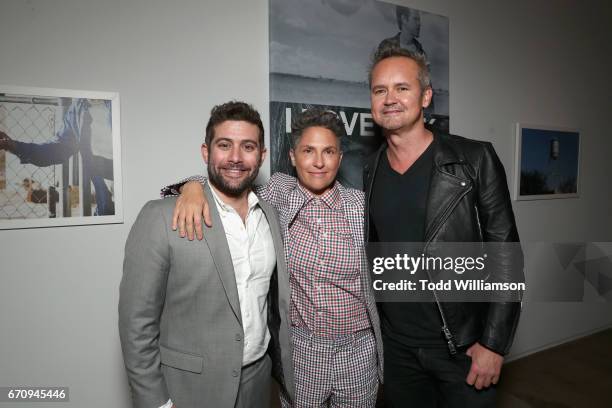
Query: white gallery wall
544	61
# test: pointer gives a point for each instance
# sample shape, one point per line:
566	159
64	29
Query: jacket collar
446	151
444	188
216	240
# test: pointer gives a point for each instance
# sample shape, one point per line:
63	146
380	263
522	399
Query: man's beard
227	188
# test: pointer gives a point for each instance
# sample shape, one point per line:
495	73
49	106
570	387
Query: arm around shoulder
276	190
175	189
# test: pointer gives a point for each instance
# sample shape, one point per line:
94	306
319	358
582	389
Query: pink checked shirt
324	267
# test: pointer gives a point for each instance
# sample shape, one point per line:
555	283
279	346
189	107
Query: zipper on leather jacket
478	221
450	341
448	335
447	213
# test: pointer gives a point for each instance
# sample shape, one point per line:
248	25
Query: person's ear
426	97
204	150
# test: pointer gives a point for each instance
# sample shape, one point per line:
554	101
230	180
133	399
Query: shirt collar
226	208
331	197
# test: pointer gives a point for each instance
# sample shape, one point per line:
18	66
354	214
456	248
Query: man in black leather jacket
429	187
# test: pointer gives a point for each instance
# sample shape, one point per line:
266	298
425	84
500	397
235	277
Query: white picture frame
547	162
65	164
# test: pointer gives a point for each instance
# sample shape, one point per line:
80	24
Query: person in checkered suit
337	347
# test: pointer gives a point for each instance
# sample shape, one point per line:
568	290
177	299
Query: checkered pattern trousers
337	372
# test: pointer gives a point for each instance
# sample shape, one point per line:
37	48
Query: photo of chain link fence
26	195
57	156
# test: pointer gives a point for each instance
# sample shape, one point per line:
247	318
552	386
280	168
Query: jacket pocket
180	360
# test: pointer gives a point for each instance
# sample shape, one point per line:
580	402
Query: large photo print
320	54
59	158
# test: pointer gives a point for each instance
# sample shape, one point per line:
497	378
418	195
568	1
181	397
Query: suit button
235	373
238	337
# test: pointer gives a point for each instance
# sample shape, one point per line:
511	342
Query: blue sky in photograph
536	154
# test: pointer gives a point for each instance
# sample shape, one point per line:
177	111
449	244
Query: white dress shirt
253	256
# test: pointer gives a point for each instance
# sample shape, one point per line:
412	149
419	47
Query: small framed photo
547	162
60	157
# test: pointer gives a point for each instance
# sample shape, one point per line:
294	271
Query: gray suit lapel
217	243
282	293
275	230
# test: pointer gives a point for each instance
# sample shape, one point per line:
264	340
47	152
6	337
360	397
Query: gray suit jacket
179	313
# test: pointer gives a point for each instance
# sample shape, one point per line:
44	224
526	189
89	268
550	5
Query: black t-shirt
397	214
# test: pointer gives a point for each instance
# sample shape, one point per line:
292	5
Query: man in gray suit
204	323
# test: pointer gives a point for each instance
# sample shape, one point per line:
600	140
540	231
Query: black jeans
430	378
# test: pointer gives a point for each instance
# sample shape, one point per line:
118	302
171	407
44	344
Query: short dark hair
389	50
315	117
233	110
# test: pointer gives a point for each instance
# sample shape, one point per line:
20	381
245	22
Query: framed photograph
60	157
547	162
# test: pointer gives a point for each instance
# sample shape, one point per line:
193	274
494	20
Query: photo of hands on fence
59	158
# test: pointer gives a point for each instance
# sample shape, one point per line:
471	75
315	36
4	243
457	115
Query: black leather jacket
468	202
